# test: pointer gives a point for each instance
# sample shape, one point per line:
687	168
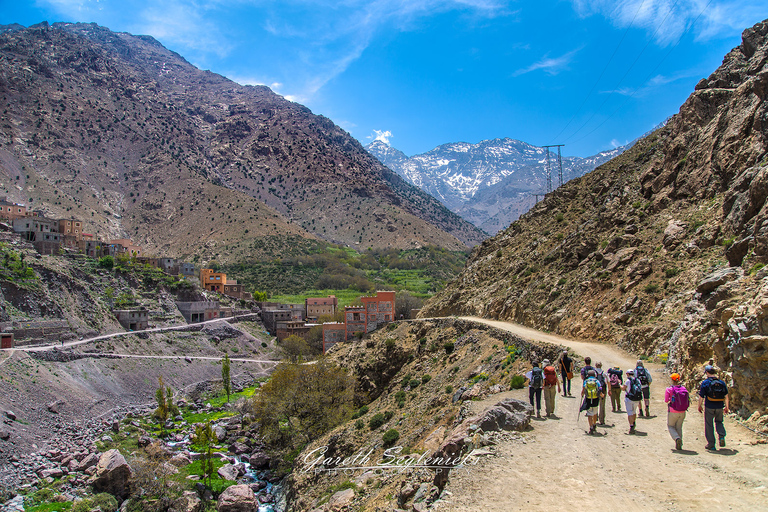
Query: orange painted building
374	312
10	211
321	306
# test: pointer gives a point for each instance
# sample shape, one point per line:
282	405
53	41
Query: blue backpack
635	391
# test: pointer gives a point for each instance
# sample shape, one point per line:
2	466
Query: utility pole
559	164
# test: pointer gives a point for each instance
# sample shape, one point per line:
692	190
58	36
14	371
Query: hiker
587	366
566	371
535	379
677	397
633	394
592	392
644	376
551	387
614	387
713	395
600	376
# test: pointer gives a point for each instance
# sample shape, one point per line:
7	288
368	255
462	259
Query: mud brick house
333	333
11	211
271	317
374	312
6	340
199	311
321	306
125	246
187	269
218	282
292	328
133	319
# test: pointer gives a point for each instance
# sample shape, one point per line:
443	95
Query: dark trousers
566	383
712	416
537	393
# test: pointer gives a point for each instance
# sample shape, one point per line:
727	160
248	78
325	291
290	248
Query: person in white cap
633	395
551	387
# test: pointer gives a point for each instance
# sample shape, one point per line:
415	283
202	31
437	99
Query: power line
584	101
650	40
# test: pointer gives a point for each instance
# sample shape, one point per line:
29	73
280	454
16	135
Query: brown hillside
119	131
660	250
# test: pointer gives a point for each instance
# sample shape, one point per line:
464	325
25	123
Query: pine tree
225	377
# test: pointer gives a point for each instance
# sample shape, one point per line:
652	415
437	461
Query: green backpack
592	388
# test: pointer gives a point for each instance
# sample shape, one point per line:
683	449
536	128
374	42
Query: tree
405	302
161	413
225	376
259	296
204	441
302	401
295	348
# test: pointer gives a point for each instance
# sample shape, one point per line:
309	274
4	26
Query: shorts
592	406
592	411
647	392
631	406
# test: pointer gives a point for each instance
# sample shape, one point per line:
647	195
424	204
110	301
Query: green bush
105	502
388	415
449	389
406	380
85	505
517	382
651	288
390	437
359	424
448	346
671	272
377	421
107	262
360	412
390	344
426	378
414	383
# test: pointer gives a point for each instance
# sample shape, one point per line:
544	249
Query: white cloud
381	135
550	65
667	20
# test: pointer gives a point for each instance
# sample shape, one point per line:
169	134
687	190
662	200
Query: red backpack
550	376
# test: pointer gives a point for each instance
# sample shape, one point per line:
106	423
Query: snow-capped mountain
490	183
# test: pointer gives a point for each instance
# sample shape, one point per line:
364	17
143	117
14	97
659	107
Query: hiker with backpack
644	376
614	387
535	379
551	387
633	390
592	393
676	396
601	378
566	371
587	366
713	395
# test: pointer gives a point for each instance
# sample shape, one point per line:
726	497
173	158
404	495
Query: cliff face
126	135
660	250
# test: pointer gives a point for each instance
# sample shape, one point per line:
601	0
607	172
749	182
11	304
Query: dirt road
560	467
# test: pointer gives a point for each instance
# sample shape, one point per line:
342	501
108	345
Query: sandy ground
561	467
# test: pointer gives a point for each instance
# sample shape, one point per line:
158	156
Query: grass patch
51	507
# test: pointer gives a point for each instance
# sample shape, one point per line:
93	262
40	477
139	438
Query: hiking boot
678	443
722	442
538	414
711	447
641	412
592	430
631	429
648	414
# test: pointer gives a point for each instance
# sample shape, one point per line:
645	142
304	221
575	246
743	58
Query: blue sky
419	73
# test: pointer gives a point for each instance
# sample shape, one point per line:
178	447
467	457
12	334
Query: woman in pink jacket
677	400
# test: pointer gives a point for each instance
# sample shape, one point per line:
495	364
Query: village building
136	319
271	317
292	328
11	211
187	269
125	246
6	340
218	282
374	312
320	306
199	311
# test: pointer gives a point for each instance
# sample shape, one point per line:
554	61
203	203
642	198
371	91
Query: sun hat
709	368
631	370
675	376
639	362
545	362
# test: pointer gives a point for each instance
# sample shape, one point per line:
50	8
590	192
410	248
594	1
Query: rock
266	498
341	500
113	475
5	435
509	414
144	441
53	473
189	502
239	448
737	250
237	498
259	460
641	267
89	461
180	460
457	394
14	505
116	427
55	407
718	278
228	472
674	233
220	433
10	415
622	257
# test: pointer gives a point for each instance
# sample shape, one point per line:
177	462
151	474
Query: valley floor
560	467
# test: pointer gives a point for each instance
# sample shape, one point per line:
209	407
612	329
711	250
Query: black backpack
717	390
537	378
635	391
642	374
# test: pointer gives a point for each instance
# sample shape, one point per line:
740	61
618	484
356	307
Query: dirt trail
560	467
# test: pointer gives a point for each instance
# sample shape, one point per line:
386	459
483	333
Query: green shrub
414	383
107	262
517	382
360	412
755	268
388	415
561	281
377	421
406	380
390	437
671	272
105	502
448	346
85	505
651	288
449	389
359	424
390	344
400	396
423	340
559	217
426	378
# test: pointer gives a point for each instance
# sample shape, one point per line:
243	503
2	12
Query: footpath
560	467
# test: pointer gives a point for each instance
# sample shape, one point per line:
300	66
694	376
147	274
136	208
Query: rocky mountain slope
128	136
490	183
661	250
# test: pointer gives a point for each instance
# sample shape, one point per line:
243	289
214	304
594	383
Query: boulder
622	257
113	475
52	472
341	500
10	415
239	448
5	435
220	433
237	498
180	460
674	233
509	414
259	460
188	502
718	278
89	461
228	472
55	407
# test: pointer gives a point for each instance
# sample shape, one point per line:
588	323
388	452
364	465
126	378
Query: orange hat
675	376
